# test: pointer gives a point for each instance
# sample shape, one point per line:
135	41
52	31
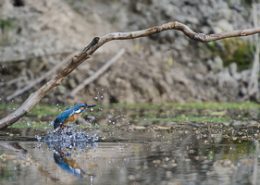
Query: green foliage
189	118
44	110
192	105
6	24
145	114
31	125
197	112
233	50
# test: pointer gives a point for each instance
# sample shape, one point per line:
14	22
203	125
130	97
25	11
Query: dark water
182	156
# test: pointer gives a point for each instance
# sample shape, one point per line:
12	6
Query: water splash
69	138
99	96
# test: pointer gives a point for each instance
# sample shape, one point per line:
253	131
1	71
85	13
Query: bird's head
79	108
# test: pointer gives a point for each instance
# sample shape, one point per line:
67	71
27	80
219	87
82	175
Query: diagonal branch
97	42
33	83
98	73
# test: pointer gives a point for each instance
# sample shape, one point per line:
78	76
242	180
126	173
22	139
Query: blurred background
187	117
35	36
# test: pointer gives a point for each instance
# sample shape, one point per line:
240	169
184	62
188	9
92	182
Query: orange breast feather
72	118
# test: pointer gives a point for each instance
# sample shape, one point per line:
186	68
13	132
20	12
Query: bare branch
253	79
97	73
180	27
13	81
33	83
97	42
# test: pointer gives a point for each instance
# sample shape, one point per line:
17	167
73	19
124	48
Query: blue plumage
67	164
70	114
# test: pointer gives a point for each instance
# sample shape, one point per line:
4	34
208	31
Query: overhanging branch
97	42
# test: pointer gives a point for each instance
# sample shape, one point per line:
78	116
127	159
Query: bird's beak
89	106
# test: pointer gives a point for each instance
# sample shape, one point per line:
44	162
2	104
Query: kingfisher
70	115
65	162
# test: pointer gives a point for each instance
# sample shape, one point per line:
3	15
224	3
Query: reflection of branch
46	173
26	156
98	73
14	147
97	42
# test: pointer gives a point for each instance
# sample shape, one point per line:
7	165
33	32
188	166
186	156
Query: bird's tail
55	124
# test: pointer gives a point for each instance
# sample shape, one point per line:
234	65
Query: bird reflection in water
62	151
66	163
64	143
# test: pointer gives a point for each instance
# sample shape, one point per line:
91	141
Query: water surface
185	155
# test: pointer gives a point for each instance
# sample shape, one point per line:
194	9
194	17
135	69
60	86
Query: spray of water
69	138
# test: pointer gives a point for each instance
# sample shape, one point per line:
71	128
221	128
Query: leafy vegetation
32	125
192	105
233	50
187	118
5	26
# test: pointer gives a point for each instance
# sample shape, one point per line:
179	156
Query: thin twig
13	81
180	27
253	80
97	42
98	73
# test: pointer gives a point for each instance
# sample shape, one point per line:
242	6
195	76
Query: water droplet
91	179
38	138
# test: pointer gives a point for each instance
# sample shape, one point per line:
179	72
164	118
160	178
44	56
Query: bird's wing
61	118
64	115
